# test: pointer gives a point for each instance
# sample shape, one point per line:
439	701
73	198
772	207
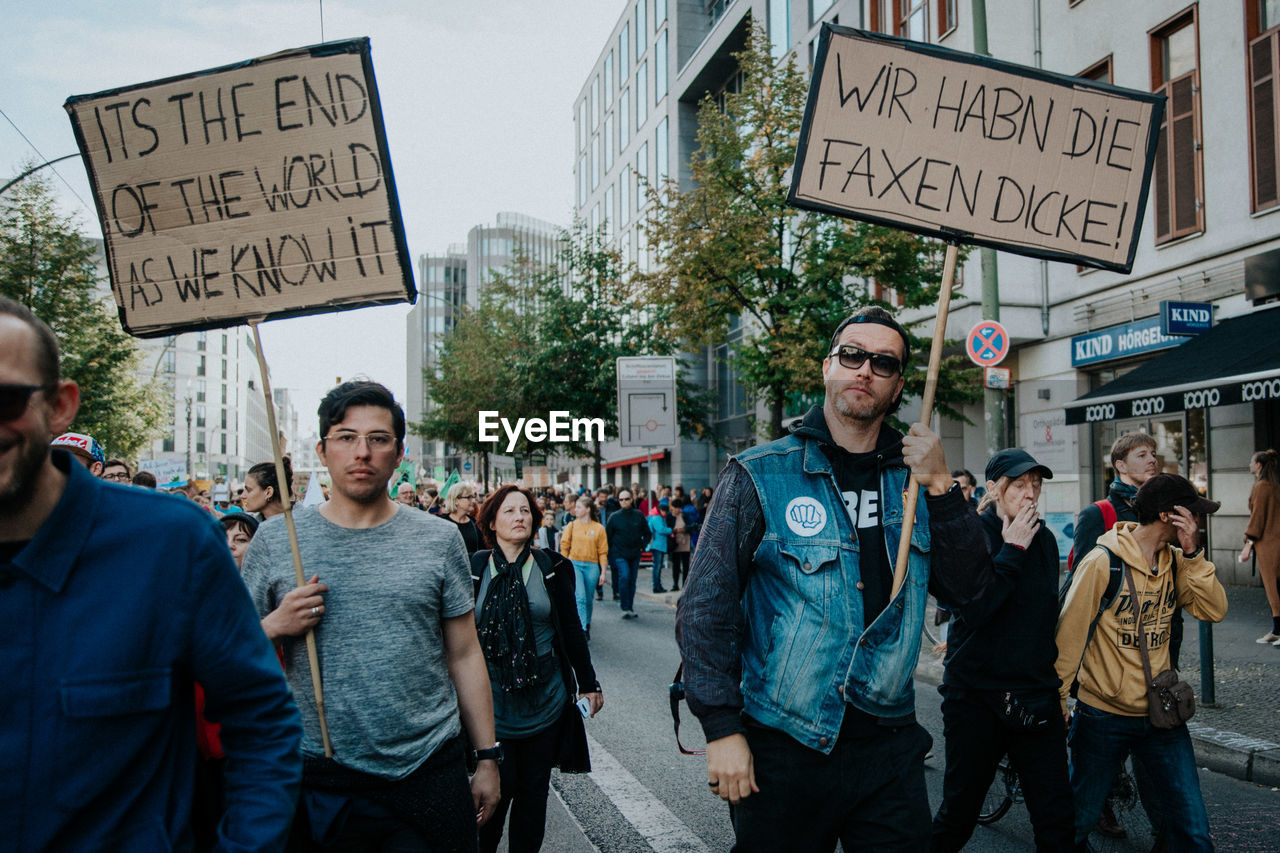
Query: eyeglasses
14	400
854	357
118	476
377	441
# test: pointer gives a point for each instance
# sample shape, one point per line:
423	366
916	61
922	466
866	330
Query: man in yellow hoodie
1162	553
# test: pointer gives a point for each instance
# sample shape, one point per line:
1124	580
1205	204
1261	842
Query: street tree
729	249
47	265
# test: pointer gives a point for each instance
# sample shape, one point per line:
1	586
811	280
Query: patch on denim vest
806	516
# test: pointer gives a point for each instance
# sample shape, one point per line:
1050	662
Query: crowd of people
453	633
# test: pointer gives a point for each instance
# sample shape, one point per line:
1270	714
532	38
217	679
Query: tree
730	247
48	266
476	363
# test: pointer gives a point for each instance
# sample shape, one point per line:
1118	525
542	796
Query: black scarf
506	626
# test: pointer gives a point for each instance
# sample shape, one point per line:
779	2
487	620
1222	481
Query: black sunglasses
854	357
14	400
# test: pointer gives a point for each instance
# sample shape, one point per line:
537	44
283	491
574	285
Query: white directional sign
647	401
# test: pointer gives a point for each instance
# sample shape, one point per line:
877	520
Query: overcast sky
477	97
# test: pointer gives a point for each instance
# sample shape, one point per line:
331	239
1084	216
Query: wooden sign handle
926	412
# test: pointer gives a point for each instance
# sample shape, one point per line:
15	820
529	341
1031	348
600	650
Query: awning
635	460
1236	361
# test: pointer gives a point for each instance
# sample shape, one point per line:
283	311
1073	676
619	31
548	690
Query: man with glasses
795	661
117	471
397	641
115	602
627	533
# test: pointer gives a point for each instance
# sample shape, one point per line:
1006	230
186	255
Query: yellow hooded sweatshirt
1110	673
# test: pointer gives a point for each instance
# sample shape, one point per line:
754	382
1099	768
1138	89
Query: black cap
1013	462
1163	492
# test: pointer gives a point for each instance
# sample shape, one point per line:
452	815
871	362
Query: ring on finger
315	611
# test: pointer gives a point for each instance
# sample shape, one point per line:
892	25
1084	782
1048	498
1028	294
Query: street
644	795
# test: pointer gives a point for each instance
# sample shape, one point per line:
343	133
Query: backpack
1108	510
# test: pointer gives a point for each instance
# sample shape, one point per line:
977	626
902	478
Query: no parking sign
987	344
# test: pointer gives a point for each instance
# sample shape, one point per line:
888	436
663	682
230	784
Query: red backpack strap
1108	510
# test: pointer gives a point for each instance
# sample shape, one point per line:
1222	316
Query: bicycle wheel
1005	787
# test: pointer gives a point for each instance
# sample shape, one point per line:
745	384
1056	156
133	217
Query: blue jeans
1100	741
626	581
658	557
584	590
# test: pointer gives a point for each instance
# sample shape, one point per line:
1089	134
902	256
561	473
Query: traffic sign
646	401
987	344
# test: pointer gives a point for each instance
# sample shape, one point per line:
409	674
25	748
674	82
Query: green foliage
48	266
730	247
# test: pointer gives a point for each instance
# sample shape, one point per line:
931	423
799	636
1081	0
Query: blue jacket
771	621
658	527
122	600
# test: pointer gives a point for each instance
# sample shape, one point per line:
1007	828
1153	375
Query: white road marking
657	825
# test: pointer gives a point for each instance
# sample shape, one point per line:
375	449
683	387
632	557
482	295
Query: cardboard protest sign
257	190
972	150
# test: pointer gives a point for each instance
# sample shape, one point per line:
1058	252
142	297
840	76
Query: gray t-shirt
389	703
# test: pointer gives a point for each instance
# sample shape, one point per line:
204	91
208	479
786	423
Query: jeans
525	777
626	581
869	793
588	574
1099	742
657	569
976	740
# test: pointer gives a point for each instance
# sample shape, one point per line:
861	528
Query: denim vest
806	650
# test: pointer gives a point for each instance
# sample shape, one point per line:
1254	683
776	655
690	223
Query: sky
477	98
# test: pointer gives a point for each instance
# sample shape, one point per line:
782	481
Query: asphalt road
643	795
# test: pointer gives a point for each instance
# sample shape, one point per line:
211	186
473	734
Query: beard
18	490
868	409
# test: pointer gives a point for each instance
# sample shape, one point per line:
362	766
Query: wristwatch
493	753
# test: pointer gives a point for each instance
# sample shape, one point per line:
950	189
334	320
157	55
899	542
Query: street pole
191	471
993	398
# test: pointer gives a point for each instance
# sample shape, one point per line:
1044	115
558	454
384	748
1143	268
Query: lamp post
191	471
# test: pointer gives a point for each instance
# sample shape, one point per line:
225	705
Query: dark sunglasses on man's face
854	357
14	400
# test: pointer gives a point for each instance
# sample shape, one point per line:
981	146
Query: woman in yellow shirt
584	543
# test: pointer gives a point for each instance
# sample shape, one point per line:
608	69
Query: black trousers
679	566
525	776
976	740
868	794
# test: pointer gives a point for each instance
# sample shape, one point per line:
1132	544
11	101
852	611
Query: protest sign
257	190
972	150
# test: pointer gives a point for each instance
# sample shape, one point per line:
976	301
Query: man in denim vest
797	662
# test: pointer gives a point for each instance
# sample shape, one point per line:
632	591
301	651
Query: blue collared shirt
122	600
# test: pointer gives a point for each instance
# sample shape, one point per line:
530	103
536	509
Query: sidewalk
1239	734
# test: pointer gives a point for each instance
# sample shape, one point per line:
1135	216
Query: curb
1242	757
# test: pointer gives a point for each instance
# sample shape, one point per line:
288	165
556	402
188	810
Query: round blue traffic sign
987	344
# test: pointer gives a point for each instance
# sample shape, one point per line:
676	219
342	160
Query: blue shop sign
1185	318
1134	338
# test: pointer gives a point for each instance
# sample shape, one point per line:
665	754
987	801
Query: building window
595	162
224	444
609	217
779	28
224	368
224	395
201	388
166	446
659	12
200	416
595	218
202	341
624	50
660	150
1262	23
911	18
583	130
582	181
817	7
608	143
200	368
624	119
642	94
200	445
660	67
1178	176
624	196
609	83
595	102
224	344
642	173
642	29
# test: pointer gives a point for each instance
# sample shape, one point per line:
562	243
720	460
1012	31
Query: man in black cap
1163	567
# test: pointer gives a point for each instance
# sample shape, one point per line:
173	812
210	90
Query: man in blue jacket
797	661
115	601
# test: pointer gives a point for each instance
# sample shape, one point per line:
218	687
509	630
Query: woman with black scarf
538	661
999	686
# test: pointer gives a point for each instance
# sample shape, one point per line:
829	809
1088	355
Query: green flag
403	474
454	477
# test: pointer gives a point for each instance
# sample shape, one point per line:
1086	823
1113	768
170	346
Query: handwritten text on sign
948	144
258	190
